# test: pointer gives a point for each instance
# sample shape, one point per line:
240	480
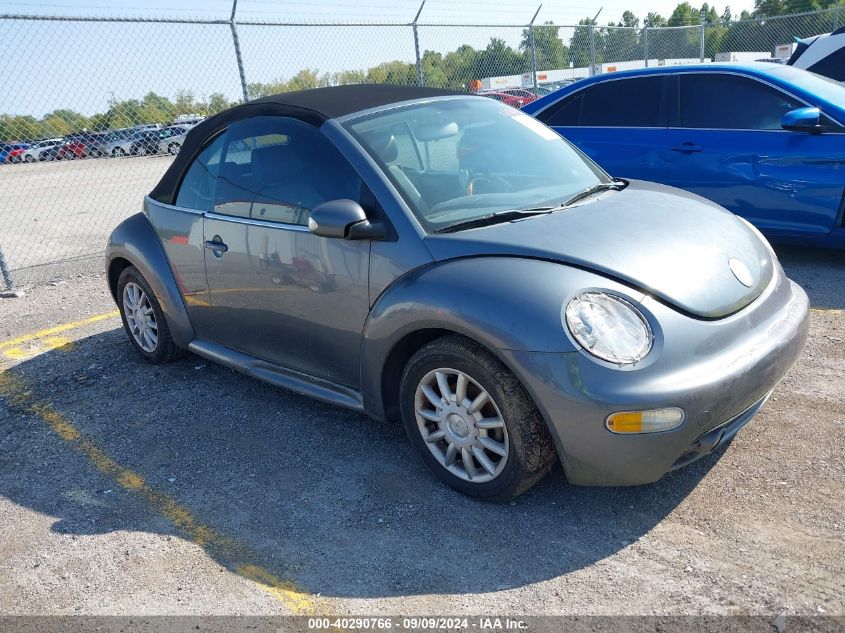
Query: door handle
216	246
687	148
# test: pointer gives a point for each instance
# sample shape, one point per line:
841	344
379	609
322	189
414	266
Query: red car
78	145
520	93
504	97
16	153
515	97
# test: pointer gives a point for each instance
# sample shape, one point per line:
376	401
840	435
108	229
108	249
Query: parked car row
139	140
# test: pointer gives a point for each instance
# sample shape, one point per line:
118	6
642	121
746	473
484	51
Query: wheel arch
498	303
134	243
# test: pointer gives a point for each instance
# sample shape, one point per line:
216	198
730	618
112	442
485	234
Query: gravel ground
191	489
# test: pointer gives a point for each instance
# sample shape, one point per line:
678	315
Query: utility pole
593	43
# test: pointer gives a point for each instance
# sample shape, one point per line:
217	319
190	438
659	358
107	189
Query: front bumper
719	372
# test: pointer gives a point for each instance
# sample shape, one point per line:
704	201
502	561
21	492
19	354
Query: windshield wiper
616	185
496	218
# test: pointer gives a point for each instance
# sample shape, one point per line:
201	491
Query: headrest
383	144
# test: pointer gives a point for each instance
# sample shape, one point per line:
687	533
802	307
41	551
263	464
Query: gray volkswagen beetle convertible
446	259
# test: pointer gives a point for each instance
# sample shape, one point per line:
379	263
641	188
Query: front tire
144	320
472	422
173	148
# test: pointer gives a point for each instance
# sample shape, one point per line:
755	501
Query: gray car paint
135	242
504	286
698	281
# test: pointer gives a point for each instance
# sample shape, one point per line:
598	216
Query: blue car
765	141
9	152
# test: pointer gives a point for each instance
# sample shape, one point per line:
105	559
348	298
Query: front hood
672	244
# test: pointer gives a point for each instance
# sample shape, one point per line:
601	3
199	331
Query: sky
81	65
439	11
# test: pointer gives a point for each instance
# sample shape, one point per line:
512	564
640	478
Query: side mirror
344	219
802	120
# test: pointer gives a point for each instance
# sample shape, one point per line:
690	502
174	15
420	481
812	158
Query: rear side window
197	188
632	102
635	102
755	106
565	112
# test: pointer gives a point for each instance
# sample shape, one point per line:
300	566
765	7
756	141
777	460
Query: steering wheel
490	180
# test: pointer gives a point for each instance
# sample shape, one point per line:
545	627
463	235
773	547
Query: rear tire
497	451
173	149
144	320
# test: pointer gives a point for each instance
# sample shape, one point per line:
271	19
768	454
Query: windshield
455	160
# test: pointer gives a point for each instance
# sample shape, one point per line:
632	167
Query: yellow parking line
58	329
235	555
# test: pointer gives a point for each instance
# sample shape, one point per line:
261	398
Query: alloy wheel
461	425
140	317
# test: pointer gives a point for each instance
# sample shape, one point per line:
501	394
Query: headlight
608	327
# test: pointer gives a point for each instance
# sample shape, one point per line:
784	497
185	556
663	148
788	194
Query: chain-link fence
92	109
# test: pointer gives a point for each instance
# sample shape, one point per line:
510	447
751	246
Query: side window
762	107
632	102
197	188
277	169
565	112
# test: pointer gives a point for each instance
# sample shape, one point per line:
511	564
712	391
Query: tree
684	15
460	67
552	53
630	20
434	71
579	45
499	59
768	8
622	41
345	77
217	102
395	72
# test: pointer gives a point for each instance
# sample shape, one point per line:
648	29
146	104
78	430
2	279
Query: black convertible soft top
311	106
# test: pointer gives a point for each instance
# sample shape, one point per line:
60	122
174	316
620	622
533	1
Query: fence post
645	41
533	48
703	23
593	43
237	44
4	270
836	17
420	78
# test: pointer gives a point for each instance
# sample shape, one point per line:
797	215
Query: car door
277	291
619	123
180	230
726	143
